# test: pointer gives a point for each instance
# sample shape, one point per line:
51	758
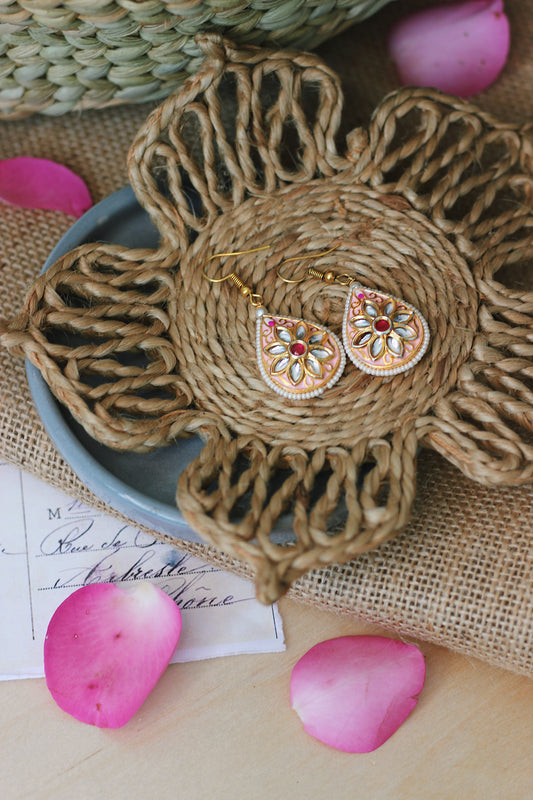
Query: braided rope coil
432	203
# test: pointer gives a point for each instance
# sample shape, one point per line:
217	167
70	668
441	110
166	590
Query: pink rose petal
39	183
354	692
106	647
459	49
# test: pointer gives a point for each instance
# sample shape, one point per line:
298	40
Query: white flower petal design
296	372
284	335
312	365
395	345
405	332
320	353
377	347
277	349
280	365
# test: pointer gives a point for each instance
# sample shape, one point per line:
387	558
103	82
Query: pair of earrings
298	359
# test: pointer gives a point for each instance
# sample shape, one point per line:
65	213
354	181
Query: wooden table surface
223	730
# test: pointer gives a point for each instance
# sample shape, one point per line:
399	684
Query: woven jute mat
459	574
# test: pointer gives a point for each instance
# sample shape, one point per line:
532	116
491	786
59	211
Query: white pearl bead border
260	313
382	372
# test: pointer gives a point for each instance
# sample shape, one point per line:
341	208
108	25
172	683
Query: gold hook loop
255	299
231	275
310	271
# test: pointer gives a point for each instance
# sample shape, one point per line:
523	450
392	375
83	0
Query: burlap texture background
460	574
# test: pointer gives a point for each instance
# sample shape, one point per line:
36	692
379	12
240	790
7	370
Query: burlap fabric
457	576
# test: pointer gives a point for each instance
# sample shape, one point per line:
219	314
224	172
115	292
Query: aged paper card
51	544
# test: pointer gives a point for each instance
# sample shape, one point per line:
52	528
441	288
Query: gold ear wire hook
255	299
231	275
328	276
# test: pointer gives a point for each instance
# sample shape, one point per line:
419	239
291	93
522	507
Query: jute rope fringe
428	204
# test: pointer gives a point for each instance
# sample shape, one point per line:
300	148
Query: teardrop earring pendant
296	358
382	334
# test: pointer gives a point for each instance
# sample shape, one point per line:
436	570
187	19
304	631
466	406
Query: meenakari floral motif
297	359
383	335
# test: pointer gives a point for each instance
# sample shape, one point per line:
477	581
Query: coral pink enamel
354	692
106	647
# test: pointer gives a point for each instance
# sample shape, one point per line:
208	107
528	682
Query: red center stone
297	348
381	325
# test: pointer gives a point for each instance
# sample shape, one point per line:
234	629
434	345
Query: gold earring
382	335
296	358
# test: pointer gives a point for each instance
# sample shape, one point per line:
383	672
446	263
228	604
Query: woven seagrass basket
431	203
57	57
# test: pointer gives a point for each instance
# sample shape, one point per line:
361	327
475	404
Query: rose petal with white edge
106	647
459	48
40	183
354	692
